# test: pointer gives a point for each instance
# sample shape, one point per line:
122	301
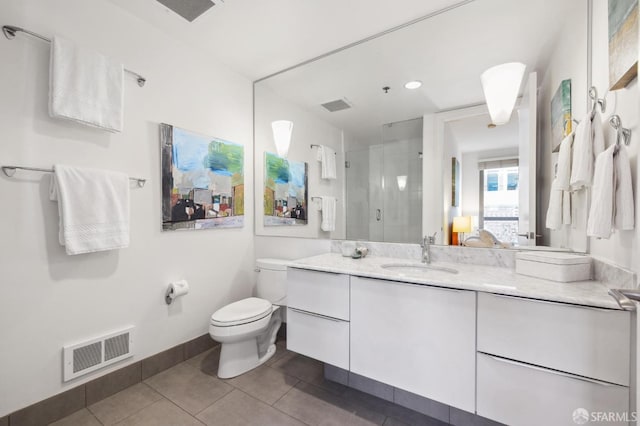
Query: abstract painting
623	42
202	181
455	182
561	124
285	191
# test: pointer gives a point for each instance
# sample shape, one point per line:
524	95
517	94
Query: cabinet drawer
319	292
519	394
589	342
322	338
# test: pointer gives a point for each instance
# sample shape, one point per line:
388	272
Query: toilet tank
272	280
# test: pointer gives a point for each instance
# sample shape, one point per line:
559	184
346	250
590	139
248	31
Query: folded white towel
600	221
624	206
93	207
559	210
328	214
327	157
588	144
85	86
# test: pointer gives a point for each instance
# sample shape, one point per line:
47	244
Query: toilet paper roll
177	289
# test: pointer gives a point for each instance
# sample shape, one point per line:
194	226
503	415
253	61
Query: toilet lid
241	312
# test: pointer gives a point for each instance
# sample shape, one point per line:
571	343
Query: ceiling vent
188	9
337	105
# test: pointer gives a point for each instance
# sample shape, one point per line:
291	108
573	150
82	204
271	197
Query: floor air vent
88	356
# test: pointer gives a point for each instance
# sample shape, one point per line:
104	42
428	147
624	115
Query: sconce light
501	85
402	182
461	224
282	136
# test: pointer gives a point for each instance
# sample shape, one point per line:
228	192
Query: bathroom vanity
510	348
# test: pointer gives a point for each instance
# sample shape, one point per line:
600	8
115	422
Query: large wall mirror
410	161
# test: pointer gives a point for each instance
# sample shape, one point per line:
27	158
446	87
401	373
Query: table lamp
461	224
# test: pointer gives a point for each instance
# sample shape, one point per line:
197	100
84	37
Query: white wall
622	248
568	61
307	130
51	299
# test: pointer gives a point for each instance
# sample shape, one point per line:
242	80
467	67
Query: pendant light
501	85
282	136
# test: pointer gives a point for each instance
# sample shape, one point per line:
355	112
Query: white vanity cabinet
539	361
318	315
417	338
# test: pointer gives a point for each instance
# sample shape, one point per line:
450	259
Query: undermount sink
416	268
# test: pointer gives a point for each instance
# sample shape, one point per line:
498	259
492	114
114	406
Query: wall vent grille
90	355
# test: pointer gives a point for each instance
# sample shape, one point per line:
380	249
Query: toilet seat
241	312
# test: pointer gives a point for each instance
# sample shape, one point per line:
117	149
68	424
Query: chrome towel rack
318	146
623	133
10	171
11	30
320	198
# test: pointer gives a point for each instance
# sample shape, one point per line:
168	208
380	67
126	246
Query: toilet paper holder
175	290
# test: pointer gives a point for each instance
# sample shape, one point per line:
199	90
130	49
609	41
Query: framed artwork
455	182
285	191
623	42
202	181
561	124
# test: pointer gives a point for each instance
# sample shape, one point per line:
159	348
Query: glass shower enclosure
384	186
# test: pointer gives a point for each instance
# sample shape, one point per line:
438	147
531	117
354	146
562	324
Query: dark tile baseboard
426	406
72	400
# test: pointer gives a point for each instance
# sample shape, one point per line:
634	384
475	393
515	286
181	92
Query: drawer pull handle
546	370
549	302
313	314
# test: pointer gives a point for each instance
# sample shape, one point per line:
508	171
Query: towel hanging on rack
85	86
94	208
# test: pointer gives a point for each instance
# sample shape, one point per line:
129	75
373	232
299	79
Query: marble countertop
487	279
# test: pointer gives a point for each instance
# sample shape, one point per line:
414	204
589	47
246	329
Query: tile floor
288	390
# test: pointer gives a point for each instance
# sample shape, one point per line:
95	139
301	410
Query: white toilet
247	328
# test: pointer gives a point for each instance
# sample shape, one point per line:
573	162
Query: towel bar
11	30
318	146
9	171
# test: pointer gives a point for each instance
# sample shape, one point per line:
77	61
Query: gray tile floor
288	390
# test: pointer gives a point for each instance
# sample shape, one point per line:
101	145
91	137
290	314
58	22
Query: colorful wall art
202	181
561	124
623	42
285	191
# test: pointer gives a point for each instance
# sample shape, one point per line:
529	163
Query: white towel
93	207
85	86
588	144
624	206
327	157
328	214
559	210
600	221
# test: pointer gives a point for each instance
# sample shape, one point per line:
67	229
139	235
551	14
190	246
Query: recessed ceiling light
413	84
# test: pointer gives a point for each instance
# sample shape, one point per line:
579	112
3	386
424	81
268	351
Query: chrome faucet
426	243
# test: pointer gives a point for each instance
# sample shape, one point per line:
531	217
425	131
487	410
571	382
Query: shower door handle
378	215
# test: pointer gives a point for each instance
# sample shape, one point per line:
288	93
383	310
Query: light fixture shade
462	224
402	182
282	136
501	85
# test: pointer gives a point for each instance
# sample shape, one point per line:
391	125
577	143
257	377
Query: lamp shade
501	85
462	224
282	136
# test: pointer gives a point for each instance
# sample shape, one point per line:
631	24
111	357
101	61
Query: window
499	200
